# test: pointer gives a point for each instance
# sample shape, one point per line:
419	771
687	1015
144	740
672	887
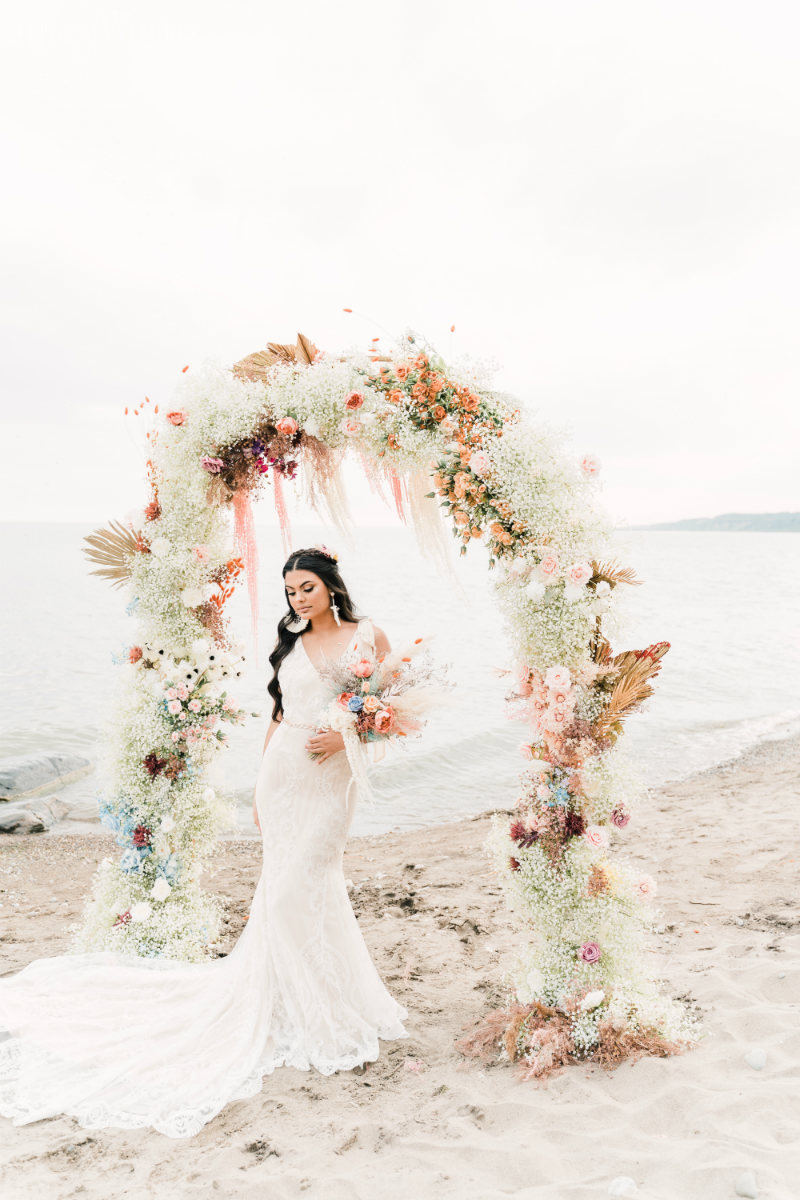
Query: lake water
726	601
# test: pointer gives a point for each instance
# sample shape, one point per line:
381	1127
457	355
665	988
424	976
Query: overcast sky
601	196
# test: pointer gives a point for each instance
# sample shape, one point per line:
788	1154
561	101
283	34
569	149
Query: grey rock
32	816
28	774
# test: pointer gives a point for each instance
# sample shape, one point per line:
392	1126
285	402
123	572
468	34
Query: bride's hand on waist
323	745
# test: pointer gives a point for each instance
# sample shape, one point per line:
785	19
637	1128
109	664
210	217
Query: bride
116	1040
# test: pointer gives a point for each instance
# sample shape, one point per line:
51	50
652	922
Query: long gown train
119	1041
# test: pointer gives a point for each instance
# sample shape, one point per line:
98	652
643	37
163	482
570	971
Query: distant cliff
785	522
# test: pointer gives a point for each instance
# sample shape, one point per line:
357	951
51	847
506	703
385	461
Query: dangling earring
335	609
297	625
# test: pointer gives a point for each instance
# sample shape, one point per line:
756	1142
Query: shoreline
432	913
84	824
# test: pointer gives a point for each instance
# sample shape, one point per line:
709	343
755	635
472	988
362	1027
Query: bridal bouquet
381	699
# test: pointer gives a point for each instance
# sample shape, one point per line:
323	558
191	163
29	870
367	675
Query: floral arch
439	443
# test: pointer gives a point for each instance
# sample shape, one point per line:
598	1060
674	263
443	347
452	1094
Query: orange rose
394	396
401	372
470	403
460	517
439	413
476	533
418	391
495	529
506	538
384	719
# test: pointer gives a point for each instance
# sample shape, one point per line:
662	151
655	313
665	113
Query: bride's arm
382	645
273	725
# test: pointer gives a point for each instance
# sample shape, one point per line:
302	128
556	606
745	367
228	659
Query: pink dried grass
539	1039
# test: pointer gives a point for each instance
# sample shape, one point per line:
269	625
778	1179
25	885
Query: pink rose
182	716
174	706
176	737
526	751
620	818
557	679
590	952
354	401
590	465
200	553
543	791
195	705
479	462
350	425
177	417
286	426
596	836
384	720
344	698
183	691
549	568
363	669
172	693
211	464
579	574
645	886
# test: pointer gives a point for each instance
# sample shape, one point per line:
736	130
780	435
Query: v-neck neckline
331	661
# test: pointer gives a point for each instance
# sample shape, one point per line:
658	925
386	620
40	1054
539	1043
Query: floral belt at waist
296	725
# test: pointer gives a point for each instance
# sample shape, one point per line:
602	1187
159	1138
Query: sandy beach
421	1121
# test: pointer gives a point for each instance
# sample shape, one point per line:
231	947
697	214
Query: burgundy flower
523	836
514	864
154	765
141	836
590	952
620	818
575	824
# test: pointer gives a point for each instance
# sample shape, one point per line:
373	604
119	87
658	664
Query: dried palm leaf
632	687
600	647
613	573
112	549
257	366
306	350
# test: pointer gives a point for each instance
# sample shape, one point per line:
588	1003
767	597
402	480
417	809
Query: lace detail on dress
118	1041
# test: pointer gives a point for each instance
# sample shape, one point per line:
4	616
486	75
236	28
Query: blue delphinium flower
355	704
132	606
133	859
169	869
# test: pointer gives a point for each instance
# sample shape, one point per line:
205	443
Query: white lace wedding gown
115	1040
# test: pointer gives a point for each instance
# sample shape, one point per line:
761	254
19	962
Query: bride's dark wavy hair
325	567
